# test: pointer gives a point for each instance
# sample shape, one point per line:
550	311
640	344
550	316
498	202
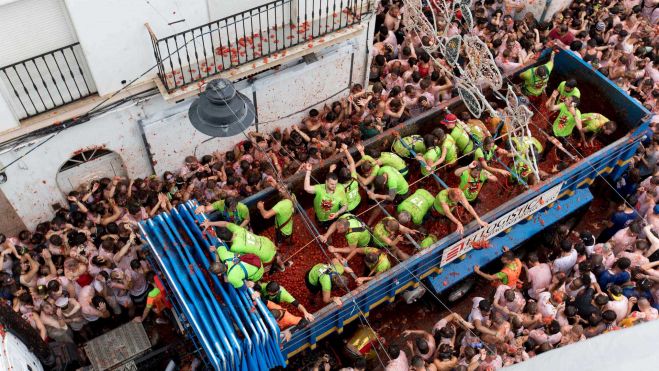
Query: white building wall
283	97
31	186
115	40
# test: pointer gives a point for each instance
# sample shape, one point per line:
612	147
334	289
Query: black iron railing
261	32
48	81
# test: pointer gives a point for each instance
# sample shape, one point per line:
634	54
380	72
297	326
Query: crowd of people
85	270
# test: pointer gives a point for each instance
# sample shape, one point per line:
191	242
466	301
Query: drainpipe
544	12
367	55
147	146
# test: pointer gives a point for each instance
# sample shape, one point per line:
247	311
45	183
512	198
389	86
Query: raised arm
307	179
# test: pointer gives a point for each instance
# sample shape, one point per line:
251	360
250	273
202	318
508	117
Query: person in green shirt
595	123
388	185
324	277
433	156
565	90
427	241
446	200
415	207
230	210
472	178
242	241
476	127
234	270
534	80
277	294
370	163
402	145
330	198
355	231
393	160
283	212
458	133
487	152
449	148
524	143
388	233
376	260
568	118
348	178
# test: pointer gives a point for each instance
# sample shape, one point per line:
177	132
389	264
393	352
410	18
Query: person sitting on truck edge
230	209
284	318
472	177
534	80
355	231
568	118
487	152
509	275
283	212
327	277
236	268
388	233
330	198
277	294
595	123
565	90
376	260
446	200
156	301
242	241
402	145
415	207
348	178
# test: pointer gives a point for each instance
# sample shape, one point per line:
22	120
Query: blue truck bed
452	258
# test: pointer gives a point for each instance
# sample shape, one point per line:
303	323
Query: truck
237	332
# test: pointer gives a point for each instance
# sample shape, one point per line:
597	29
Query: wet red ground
491	196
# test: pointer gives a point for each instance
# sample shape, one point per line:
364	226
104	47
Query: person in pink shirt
625	238
551	334
508	301
398	359
539	276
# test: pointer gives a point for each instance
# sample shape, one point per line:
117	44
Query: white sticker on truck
501	224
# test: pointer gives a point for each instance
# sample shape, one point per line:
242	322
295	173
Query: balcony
47	81
252	41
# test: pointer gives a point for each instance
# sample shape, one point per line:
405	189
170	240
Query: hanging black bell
221	111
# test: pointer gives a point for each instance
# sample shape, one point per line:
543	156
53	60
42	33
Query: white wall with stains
283	98
32	188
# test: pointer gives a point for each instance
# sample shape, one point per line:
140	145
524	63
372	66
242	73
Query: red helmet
449	119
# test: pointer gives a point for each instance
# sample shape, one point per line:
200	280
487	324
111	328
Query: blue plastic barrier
235	332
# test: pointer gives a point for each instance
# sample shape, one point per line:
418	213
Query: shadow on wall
10	223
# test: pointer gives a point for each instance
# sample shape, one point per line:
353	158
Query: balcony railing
47	81
267	30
